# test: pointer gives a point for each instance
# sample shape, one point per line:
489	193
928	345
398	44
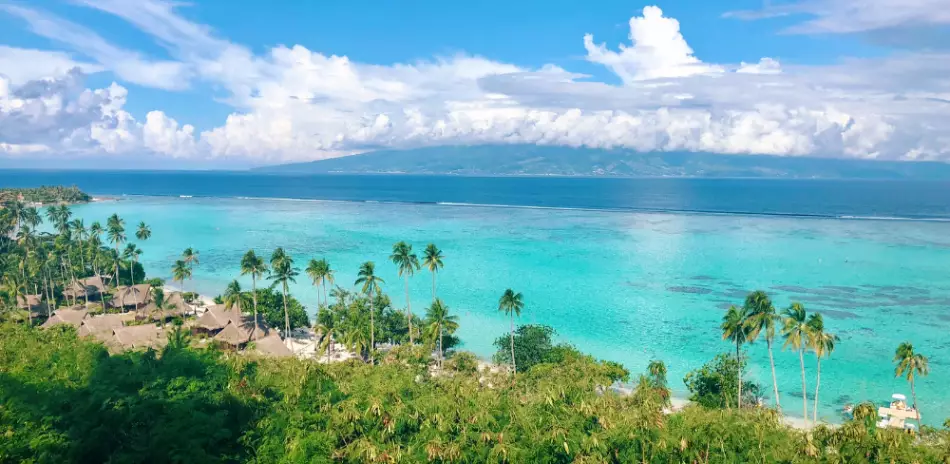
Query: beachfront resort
361	379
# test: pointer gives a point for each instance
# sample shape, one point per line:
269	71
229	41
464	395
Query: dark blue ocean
824	198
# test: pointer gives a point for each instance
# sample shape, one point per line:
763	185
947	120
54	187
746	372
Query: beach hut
273	346
72	316
33	303
139	337
90	287
240	330
102	326
177	307
216	318
134	296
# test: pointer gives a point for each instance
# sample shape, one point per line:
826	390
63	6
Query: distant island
45	195
535	160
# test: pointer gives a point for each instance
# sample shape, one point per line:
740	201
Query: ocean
625	269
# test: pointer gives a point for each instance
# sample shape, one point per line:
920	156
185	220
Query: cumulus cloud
293	103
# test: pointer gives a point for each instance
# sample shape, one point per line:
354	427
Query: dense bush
715	384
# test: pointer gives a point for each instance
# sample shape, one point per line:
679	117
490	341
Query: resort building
90	287
72	316
132	297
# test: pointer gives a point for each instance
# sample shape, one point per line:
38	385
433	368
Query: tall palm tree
95	232
254	266
143	232
132	254
371	286
761	320
910	365
441	322
408	263
115	227
190	257
735	329
320	273
432	260
511	303
282	271
78	230
180	272
822	344
797	332
234	297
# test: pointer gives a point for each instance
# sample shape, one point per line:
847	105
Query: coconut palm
320	273
78	230
761	321
95	234
132	254
797	333
254	266
143	232
432	260
822	344
181	271
441	322
283	272
115	227
910	365
190	257
511	303
408	263
371	286
735	329
233	296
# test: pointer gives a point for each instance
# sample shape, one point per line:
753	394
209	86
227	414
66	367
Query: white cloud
128	65
21	65
850	16
293	103
658	51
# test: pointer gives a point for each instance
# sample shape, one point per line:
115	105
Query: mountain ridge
536	160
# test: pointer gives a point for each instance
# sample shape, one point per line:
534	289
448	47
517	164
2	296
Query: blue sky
209	83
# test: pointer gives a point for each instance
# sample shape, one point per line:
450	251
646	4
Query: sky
223	84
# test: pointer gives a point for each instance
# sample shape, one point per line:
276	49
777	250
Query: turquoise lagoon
623	286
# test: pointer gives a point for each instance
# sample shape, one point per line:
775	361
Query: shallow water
623	286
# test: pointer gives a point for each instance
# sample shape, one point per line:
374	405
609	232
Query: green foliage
64	399
45	194
715	384
270	304
463	361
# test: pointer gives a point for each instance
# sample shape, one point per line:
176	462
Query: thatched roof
239	331
33	301
272	345
217	317
135	295
102	326
89	286
73	317
139	336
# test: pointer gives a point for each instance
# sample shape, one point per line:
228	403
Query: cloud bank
292	103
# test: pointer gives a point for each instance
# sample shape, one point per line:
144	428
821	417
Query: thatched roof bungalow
102	326
135	296
241	330
217	317
72	316
272	345
139	337
88	287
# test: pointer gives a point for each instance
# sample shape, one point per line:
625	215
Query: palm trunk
778	404
254	298
132	271
913	394
801	361
325	300
814	410
511	338
286	314
441	350
739	366
408	310
433	286
372	329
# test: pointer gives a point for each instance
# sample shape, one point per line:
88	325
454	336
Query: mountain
534	160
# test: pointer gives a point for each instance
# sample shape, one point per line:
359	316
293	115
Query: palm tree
797	332
511	303
234	297
371	285
158	297
116	233
408	263
282	272
320	274
180	272
441	322
190	257
78	229
822	344
95	232
735	329
432	260
761	321
143	232
911	365
254	266
132	254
